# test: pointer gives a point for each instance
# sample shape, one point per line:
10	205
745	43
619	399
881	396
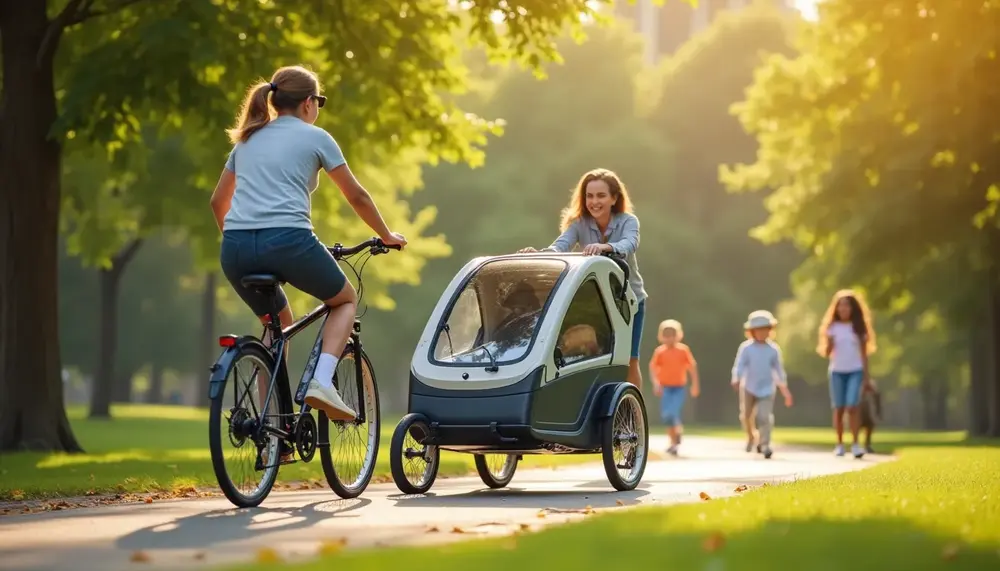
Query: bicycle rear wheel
349	450
235	418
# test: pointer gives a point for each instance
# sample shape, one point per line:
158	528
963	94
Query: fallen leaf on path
525	527
457	529
949	552
149	500
741	488
704	496
199	556
588	510
540	514
267	555
713	542
619	503
140	557
433	529
332	547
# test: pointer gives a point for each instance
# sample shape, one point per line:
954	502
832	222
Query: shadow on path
218	526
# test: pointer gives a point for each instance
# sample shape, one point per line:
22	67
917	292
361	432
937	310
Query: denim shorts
671	404
845	388
640	317
294	255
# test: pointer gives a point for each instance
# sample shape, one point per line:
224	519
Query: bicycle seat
260	281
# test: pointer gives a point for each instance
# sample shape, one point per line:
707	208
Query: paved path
199	532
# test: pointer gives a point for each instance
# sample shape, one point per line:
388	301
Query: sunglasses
319	99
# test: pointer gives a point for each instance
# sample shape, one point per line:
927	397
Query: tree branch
122	258
75	12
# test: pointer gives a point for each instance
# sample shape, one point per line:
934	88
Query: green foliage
876	142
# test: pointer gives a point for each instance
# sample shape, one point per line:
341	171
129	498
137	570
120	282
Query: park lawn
933	508
148	448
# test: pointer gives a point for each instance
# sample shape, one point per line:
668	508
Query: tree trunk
110	286
993	347
208	342
32	411
155	395
934	394
980	379
122	391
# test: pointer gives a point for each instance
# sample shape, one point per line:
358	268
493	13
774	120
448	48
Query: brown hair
288	88
577	207
861	321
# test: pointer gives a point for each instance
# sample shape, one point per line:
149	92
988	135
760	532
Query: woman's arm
629	242
360	200
565	241
222	196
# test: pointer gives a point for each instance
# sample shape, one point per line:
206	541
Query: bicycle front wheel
349	449
245	457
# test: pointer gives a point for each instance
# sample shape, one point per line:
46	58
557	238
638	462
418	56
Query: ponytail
254	113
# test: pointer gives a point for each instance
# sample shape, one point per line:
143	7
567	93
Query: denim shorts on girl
294	255
845	388
671	405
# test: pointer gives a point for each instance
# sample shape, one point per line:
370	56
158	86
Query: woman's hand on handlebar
528	250
394	239
595	249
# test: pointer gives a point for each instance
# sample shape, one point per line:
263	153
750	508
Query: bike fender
610	396
217	376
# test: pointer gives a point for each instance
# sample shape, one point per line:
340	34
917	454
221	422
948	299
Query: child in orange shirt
668	370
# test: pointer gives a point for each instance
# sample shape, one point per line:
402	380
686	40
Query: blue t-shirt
276	171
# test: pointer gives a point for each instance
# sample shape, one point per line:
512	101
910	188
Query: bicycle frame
279	377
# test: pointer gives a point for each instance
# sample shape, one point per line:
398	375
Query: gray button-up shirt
622	235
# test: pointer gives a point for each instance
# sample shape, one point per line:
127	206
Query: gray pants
757	411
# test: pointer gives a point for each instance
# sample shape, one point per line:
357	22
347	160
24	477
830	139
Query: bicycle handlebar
374	244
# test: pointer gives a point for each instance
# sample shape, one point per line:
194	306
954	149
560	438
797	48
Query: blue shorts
637	320
845	388
294	255
671	404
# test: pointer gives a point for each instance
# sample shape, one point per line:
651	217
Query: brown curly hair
861	321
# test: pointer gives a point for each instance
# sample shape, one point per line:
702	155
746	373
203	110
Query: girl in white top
846	338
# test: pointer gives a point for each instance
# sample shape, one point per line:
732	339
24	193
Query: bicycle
276	426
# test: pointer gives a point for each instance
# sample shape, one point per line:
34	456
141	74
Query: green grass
165	449
934	508
885	441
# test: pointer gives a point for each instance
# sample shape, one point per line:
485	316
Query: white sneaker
839	450
328	400
857	450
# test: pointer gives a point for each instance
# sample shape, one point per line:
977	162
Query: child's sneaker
750	445
839	450
759	449
857	450
672	450
766	451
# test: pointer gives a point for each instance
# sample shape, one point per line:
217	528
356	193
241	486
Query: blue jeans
845	388
294	255
638	319
671	405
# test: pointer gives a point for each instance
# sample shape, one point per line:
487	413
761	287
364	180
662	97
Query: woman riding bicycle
262	207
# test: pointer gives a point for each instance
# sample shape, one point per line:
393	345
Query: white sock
325	367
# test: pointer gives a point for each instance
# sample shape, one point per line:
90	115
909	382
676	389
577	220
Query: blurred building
668	26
